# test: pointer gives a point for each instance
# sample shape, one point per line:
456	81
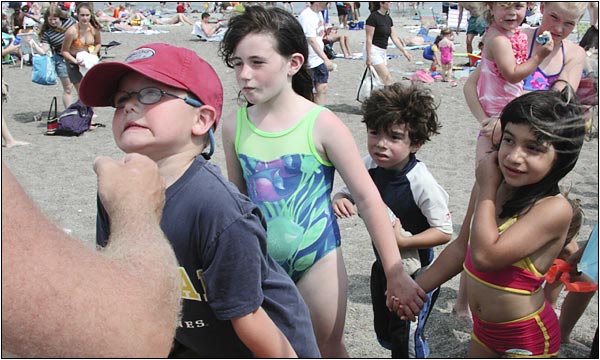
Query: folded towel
86	61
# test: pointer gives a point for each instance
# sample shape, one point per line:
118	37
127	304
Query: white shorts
378	55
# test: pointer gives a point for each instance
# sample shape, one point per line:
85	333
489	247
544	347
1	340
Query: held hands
130	187
406	298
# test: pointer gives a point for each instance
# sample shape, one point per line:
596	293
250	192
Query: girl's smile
522	158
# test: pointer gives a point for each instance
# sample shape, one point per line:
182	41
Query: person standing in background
379	27
319	65
52	36
476	22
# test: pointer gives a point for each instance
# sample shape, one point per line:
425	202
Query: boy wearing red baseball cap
237	301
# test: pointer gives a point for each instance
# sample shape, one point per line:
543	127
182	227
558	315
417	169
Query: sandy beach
57	171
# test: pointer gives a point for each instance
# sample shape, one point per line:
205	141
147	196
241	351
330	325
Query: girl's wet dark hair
556	118
288	34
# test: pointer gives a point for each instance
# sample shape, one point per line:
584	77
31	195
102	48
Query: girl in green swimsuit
282	151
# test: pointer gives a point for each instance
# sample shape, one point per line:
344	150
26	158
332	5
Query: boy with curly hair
399	120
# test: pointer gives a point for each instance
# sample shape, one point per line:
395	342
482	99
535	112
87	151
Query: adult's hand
130	187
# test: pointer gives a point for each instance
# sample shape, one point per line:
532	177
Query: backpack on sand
74	121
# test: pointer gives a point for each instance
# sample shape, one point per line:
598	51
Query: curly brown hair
413	106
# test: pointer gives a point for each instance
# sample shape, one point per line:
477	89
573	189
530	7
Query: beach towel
422	76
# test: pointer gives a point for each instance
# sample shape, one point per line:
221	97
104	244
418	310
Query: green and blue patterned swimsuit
291	184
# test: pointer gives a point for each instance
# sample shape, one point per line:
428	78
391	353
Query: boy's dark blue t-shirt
219	239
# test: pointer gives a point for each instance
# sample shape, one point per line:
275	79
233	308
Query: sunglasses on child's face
147	96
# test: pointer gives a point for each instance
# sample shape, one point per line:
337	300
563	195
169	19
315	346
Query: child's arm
541	230
436	57
499	49
234	169
447	265
472	98
260	334
341	150
432	200
425	239
450	262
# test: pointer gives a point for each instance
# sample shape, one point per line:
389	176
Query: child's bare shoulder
552	210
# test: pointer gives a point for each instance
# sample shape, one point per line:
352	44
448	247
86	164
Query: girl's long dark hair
286	30
556	119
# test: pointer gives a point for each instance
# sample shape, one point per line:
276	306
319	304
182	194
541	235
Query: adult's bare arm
63	299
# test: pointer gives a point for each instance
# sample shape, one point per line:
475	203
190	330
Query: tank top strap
299	136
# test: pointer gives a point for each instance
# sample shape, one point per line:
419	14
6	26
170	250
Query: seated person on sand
121	12
103	18
421	38
176	19
331	36
204	29
120	24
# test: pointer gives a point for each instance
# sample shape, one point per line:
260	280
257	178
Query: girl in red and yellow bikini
520	225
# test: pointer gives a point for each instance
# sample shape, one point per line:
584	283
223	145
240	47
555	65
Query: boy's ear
206	116
296	62
415	148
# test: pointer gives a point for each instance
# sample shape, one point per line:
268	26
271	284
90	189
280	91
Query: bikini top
538	80
521	277
77	42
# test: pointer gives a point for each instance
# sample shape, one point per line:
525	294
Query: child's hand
492	129
488	173
544	50
401	234
406	298
343	208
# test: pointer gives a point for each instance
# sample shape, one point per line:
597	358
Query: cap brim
100	83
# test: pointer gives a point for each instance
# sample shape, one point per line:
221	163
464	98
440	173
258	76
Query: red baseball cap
171	65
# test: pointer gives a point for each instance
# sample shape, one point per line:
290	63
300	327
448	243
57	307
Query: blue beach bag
43	72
